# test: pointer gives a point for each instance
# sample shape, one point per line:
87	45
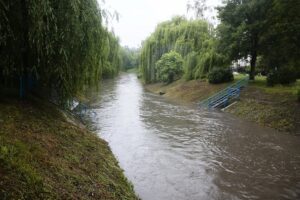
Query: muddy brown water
171	151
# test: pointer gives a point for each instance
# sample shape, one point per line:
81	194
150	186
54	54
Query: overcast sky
138	18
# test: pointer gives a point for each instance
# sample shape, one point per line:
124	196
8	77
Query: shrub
272	78
298	95
287	75
169	67
220	75
284	76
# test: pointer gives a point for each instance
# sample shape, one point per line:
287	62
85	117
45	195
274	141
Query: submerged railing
223	98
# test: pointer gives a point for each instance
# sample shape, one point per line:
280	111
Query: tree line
129	58
61	47
265	32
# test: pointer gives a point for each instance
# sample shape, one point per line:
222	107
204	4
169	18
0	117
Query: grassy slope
45	156
274	107
188	91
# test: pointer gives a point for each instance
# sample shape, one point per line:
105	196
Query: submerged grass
44	156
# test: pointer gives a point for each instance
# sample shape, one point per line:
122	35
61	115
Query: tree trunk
253	65
254	47
25	48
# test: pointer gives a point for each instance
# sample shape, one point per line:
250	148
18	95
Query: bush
220	75
169	67
272	78
298	95
287	75
284	76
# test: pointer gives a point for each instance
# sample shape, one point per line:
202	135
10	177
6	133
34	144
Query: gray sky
138	18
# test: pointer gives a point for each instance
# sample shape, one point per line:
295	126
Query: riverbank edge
45	153
279	111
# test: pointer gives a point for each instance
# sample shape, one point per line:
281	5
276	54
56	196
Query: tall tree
62	44
242	25
281	38
194	40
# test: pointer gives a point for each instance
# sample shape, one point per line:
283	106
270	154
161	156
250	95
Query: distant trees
129	57
62	45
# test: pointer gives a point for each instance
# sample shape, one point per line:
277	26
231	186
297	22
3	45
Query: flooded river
170	151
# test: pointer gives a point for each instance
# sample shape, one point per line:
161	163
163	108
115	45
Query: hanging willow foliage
194	40
61	43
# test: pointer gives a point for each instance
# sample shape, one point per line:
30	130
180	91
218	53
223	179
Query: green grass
275	107
261	82
239	77
44	156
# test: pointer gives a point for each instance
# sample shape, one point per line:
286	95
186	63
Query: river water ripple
171	151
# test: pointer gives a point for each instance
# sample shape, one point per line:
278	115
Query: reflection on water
171	151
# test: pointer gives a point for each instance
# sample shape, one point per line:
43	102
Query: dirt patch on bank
186	91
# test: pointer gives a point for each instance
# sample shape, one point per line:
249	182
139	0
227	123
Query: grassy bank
45	155
275	107
188	91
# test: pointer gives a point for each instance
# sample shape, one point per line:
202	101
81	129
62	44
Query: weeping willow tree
62	45
194	40
111	56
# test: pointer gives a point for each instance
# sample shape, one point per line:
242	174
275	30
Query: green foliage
129	58
268	29
169	67
281	37
242	25
298	95
272	78
284	76
112	57
61	43
220	75
193	39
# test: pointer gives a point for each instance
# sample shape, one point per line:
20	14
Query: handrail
227	92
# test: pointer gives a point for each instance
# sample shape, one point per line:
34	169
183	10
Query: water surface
171	151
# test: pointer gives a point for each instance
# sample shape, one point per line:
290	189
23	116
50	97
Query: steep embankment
273	107
43	155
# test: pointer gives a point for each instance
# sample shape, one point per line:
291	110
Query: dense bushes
284	76
220	75
169	67
298	95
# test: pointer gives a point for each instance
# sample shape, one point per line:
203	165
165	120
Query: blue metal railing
222	98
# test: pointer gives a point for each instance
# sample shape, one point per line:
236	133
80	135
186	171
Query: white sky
138	18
